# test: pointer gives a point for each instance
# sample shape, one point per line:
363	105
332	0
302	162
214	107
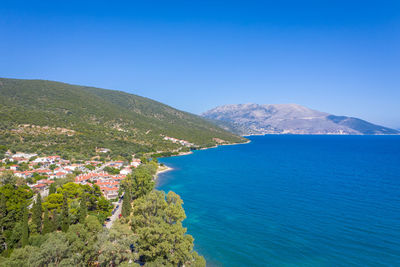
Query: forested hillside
53	117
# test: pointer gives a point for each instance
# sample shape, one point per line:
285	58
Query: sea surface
287	200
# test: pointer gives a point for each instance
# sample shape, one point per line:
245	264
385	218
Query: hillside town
41	172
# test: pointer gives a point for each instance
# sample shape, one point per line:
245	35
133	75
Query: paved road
115	215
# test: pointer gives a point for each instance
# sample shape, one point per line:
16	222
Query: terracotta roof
109	189
45	181
42	171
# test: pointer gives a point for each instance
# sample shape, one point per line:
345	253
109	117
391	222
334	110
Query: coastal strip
162	169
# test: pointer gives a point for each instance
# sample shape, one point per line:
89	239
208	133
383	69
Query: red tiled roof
87	176
42	171
109	189
45	181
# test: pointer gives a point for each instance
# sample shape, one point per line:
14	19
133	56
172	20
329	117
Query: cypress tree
3	206
3	211
65	214
3	218
37	213
47	228
56	221
83	209
25	227
52	189
126	204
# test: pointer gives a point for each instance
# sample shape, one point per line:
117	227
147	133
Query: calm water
293	201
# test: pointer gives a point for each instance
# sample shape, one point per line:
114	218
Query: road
115	215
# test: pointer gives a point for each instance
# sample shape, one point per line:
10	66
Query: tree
53	252
56	221
13	202
3	216
71	190
47	228
126	204
144	160
54	201
83	209
3	149
142	181
81	242
37	213
157	222
52	189
111	170
52	167
25	227
174	212
65	214
90	167
95	202
114	245
7	177
23	166
21	257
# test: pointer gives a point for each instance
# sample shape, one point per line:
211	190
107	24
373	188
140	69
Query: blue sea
287	200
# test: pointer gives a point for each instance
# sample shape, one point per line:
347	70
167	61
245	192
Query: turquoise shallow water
293	201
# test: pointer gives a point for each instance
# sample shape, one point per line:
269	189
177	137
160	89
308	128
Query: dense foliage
64	229
84	244
23	215
161	238
52	117
13	206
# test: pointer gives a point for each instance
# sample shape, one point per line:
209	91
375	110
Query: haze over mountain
253	119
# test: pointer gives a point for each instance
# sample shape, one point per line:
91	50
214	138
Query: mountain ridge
56	117
258	119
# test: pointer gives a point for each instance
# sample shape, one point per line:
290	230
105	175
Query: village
179	141
41	172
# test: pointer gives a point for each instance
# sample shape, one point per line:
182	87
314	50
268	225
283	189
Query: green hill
53	117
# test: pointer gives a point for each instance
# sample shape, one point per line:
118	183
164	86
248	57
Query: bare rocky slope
253	119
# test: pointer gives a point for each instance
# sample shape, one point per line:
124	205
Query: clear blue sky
336	56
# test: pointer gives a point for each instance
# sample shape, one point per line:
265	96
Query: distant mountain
253	119
53	117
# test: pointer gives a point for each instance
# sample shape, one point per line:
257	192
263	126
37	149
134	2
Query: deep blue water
285	200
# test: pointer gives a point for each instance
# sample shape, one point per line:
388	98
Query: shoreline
319	134
163	169
183	154
167	168
233	144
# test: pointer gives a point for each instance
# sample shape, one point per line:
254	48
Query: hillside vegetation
53	117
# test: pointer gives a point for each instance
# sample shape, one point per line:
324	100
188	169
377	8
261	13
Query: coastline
319	134
233	144
198	189
162	169
183	154
165	168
